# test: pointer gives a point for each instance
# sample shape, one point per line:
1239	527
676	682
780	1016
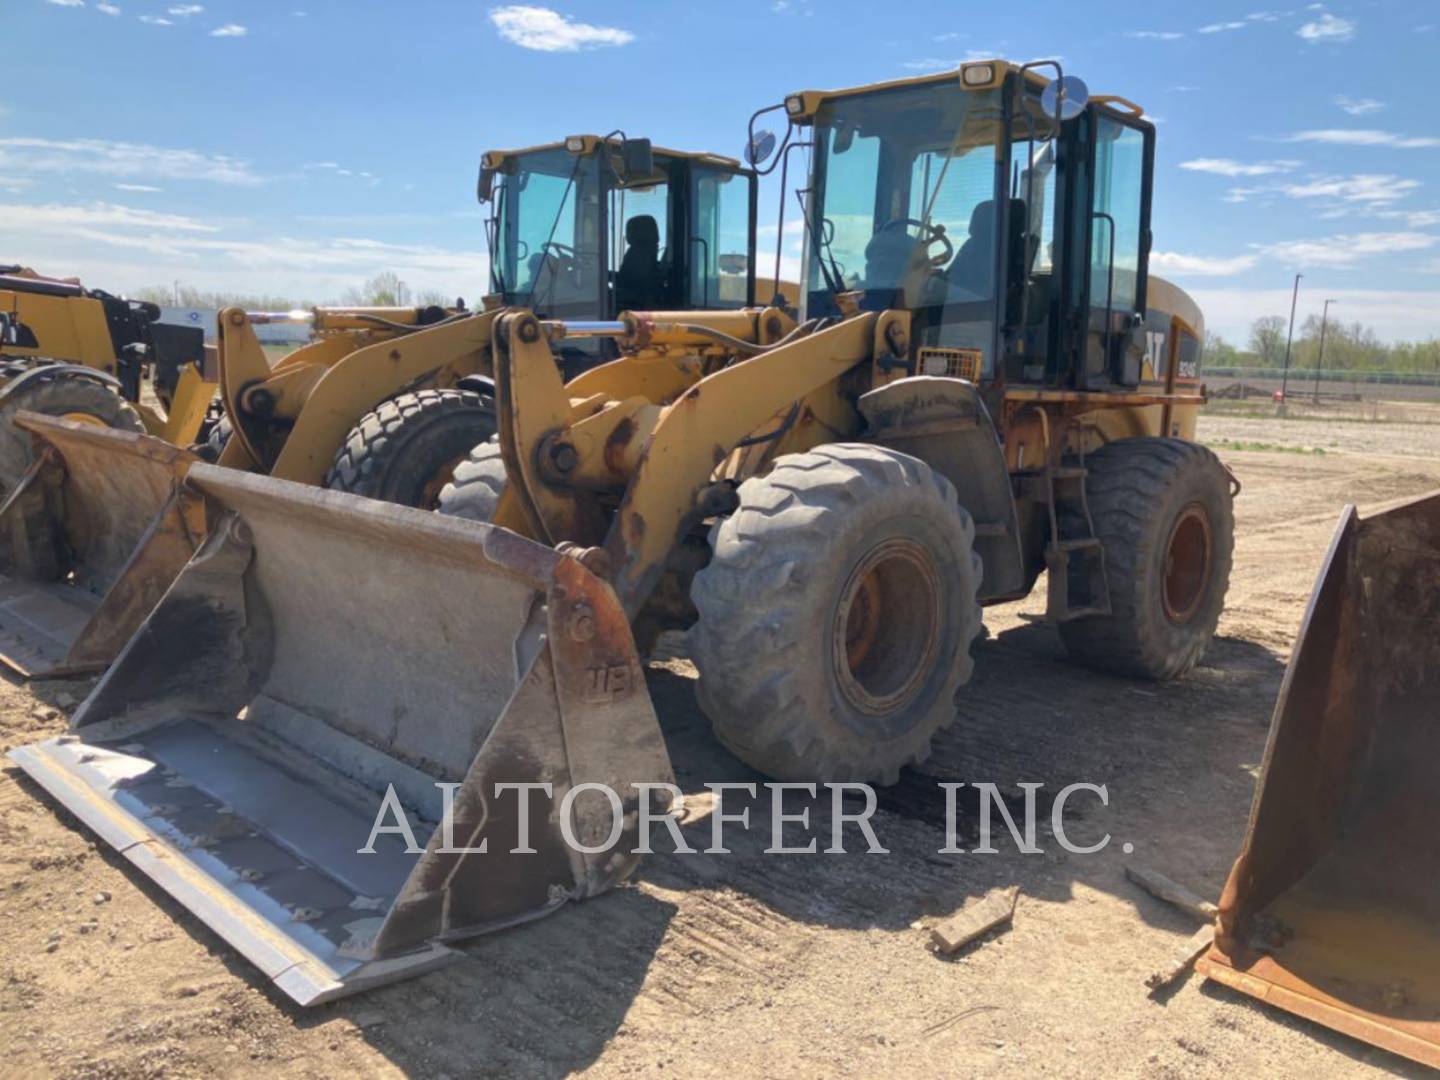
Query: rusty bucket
1332	910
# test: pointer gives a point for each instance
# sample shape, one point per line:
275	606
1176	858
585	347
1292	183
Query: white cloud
1263	16
156	20
1327	28
128	248
229	30
145	188
66	3
1415	219
24	155
1155	35
26	218
1230	167
1221	27
1359	106
1172	262
184	11
107	9
931	63
544	30
1363	137
1344	251
1362	187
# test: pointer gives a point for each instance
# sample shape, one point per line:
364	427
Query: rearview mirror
1065	97
637	158
760	147
485	186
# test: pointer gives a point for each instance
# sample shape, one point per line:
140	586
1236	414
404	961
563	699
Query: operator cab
588	228
1019	241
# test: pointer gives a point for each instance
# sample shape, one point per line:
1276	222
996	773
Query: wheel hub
1189	552
84	418
887	626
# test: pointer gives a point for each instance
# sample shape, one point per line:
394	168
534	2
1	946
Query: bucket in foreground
322	653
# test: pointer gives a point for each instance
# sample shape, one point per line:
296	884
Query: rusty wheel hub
1189	554
887	626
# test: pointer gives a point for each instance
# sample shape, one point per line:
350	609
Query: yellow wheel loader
86	355
980	386
385	401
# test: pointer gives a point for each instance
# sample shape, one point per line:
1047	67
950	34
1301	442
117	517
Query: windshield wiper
834	280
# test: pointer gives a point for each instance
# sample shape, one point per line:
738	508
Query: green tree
1267	340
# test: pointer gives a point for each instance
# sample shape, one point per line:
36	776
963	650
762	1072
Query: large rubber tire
406	450
1164	515
475	488
844	532
58	393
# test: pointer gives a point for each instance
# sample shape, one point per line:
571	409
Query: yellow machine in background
66	350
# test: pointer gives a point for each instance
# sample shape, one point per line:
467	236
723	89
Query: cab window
720	253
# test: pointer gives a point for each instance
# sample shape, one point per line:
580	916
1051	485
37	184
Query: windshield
549	236
906	193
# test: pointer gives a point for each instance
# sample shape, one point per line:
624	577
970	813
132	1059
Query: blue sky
298	146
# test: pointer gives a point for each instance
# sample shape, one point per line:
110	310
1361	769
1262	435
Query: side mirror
637	159
485	186
7	330
759	148
1065	98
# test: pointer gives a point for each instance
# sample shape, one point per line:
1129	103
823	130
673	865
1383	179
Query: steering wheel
563	254
929	234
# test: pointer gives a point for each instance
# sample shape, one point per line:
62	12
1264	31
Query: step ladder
1077	585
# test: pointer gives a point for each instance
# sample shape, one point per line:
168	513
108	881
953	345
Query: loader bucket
90	539
326	664
1332	910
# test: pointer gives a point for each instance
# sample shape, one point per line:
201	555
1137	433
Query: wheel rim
887	627
84	418
1188	555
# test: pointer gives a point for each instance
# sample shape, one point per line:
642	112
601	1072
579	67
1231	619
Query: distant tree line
1348	347
383	290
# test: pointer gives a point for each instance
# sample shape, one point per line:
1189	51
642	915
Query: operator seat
638	281
972	267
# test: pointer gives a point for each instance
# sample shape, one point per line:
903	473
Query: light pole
1289	337
1320	360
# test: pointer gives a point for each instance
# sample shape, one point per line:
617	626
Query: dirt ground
800	965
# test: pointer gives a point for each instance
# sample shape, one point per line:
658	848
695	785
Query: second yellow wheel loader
84	354
385	401
980	387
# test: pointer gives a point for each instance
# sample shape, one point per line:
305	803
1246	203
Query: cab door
1118	246
720	242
